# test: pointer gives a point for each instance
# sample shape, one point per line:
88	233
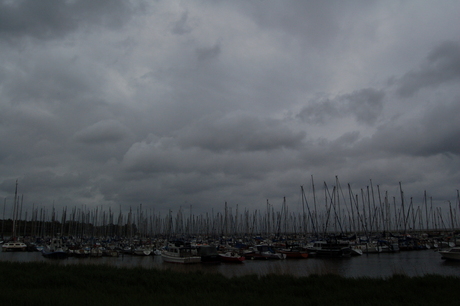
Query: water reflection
414	263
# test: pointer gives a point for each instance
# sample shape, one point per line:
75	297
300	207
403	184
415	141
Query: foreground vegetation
48	283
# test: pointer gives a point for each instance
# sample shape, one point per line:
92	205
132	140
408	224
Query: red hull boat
231	257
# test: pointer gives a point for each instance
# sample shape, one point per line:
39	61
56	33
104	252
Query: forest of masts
333	211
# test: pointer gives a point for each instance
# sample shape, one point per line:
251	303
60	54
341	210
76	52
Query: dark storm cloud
329	156
165	155
364	105
319	112
55	18
441	66
436	132
203	102
239	132
102	132
208	53
42	78
315	21
42	182
181	27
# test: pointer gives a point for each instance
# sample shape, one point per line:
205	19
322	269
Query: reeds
51	284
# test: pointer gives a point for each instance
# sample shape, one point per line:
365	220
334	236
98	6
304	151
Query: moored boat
294	252
180	253
80	252
231	257
96	252
55	249
143	250
330	250
451	254
356	251
208	254
110	253
263	252
371	248
14	246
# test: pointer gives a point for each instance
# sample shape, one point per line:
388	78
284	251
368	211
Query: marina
410	263
372	242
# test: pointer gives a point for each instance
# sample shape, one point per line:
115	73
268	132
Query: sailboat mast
314	204
13	235
3	219
426	209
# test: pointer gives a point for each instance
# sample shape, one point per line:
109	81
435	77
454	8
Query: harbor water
410	263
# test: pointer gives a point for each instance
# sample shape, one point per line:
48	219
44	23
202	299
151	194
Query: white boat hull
180	254
180	259
452	254
14	247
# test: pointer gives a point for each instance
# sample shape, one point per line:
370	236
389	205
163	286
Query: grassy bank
50	284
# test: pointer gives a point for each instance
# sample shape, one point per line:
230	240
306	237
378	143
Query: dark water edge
383	265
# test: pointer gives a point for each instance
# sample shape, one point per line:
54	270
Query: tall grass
50	284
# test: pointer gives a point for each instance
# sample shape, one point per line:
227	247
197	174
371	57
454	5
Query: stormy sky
196	103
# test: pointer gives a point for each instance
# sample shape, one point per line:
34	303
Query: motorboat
14	246
451	254
329	250
180	253
231	257
294	251
263	252
208	254
143	250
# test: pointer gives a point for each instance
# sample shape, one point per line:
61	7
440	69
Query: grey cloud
208	53
42	179
365	105
153	156
181	27
312	21
54	18
332	154
41	182
319	112
436	132
51	79
102	132
441	66
239	132
183	103
168	156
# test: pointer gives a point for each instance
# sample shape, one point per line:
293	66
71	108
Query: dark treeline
70	228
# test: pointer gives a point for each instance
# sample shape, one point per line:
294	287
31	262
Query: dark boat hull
333	252
55	255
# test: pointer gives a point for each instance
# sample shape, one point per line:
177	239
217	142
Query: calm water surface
412	263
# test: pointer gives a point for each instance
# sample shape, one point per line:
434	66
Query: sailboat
55	249
14	245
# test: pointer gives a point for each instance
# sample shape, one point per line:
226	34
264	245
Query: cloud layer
172	103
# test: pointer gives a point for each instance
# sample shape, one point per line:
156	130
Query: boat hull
295	254
55	255
178	253
14	247
452	254
180	259
235	258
